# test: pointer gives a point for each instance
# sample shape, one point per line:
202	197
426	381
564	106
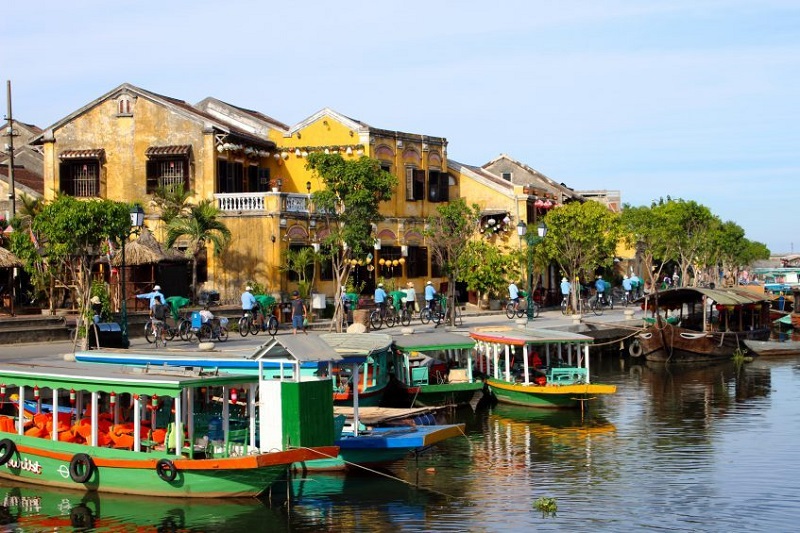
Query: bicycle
160	332
248	323
566	306
439	313
389	316
597	305
515	309
405	315
214	329
151	335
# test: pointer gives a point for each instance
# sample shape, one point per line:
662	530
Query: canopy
434	340
724	296
8	259
300	348
520	337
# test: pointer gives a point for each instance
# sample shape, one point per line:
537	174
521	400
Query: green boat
435	368
127	430
537	367
373	372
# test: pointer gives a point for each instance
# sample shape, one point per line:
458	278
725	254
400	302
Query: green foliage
100	290
485	269
547	506
172	202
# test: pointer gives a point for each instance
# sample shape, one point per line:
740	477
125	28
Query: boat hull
773	348
444	394
44	462
668	343
546	396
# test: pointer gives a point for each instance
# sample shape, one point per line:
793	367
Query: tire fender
7	450
166	470
81	468
635	348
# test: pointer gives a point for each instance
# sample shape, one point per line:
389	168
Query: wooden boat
374	351
773	348
711	324
510	357
435	368
107	444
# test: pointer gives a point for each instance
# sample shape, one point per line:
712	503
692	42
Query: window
124	106
167	173
230	176
417	262
506	176
390	255
415	184
438	186
80	178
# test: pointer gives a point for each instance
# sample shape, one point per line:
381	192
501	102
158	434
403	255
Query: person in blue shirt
249	305
600	287
155	297
627	286
636	285
430	295
513	294
566	287
380	299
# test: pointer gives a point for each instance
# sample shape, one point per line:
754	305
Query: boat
308	353
133	431
435	368
773	348
537	367
283	368
709	324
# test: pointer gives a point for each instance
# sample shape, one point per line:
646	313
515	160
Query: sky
689	99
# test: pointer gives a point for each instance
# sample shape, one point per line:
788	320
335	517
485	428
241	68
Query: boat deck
376	416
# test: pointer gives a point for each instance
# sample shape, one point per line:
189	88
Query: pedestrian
298	313
411	297
155	296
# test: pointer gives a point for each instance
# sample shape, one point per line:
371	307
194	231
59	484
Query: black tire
170	332
185	329
81	468
391	319
244	326
223	334
425	315
254	327
564	307
597	307
522	311
510	311
272	326
204	334
166	470
375	320
148	331
7	450
635	348
405	317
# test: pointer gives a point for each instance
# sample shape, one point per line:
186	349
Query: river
704	448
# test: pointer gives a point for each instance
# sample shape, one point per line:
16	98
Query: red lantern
113	399
234	395
72	396
36	392
3	390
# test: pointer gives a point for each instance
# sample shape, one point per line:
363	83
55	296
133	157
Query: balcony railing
256	201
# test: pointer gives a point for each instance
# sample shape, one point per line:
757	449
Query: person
206	315
155	297
627	286
675	278
513	294
380	299
298	313
600	287
636	285
249	305
411	297
97	309
566	287
430	295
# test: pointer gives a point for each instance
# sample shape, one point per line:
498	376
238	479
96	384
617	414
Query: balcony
264	202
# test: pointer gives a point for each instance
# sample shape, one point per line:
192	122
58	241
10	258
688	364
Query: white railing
244	201
296	203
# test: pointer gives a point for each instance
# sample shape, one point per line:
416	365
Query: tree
200	226
484	268
172	201
349	203
301	262
448	235
581	237
646	228
24	244
71	233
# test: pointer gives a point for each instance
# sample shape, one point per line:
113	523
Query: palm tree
201	226
172	201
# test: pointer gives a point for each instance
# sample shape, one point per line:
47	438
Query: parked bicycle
520	307
389	316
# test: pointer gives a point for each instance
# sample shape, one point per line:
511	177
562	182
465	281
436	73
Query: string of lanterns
303	151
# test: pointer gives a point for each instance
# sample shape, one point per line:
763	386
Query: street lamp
137	221
532	240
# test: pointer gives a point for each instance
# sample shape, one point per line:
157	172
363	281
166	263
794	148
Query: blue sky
691	99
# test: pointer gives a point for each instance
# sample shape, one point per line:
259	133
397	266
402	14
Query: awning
178	150
426	342
91	153
300	348
491	212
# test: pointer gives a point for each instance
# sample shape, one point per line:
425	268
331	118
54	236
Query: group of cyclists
381	299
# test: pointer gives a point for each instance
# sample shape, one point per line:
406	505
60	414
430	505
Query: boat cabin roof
355	347
297	348
432	340
151	380
721	296
520	337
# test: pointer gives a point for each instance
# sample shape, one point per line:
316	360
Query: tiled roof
90	153
25	177
175	150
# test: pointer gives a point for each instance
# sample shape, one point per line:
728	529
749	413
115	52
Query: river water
707	448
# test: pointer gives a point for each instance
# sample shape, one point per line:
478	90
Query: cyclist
380	299
159	317
600	287
636	285
154	297
627	286
513	295
566	288
430	296
249	304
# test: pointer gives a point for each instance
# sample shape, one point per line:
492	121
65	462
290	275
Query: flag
34	240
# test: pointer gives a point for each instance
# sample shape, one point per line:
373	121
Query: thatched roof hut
8	260
146	250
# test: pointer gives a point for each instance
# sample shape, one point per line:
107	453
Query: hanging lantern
3	390
382	261
395	262
370	268
491	222
36	392
402	260
548	204
234	395
72	396
112	398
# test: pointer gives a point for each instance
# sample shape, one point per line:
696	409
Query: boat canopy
296	349
521	337
154	380
356	347
723	296
435	340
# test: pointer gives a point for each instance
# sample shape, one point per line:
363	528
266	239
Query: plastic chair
236	442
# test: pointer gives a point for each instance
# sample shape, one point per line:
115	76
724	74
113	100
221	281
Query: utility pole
12	195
